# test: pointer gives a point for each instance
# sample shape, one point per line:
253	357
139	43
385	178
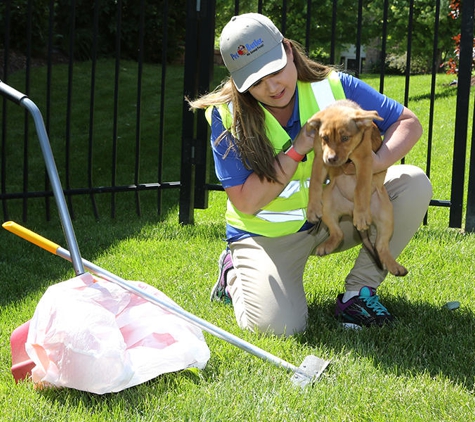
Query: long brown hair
248	127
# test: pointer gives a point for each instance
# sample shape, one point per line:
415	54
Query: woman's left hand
303	143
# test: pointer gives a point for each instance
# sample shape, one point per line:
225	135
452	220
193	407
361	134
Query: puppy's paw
398	270
362	220
314	212
390	264
321	251
328	246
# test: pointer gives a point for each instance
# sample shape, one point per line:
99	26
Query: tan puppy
344	133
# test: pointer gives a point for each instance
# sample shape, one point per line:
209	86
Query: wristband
292	153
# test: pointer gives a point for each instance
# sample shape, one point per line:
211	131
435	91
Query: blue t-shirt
231	171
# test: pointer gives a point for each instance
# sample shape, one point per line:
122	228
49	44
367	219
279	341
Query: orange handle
32	237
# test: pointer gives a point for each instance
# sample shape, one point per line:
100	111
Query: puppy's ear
364	118
313	126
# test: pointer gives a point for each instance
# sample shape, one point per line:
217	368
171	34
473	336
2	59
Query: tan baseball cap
252	48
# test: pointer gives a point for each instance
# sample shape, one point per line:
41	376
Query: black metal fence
138	150
81	66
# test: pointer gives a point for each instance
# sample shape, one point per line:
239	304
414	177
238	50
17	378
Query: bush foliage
27	26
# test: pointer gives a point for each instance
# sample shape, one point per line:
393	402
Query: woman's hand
303	143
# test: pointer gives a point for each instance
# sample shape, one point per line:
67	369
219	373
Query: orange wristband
292	153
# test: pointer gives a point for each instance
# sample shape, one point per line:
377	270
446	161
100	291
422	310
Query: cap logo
247	49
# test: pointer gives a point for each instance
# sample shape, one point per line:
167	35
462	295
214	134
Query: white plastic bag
101	338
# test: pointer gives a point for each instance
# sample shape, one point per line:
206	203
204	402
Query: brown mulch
17	61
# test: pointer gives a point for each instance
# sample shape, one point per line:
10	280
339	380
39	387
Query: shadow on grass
425	339
446	93
26	269
161	386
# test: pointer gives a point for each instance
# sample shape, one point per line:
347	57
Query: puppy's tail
370	247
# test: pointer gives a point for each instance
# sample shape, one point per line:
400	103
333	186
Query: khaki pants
266	284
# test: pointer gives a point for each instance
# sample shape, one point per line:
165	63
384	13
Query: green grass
421	369
103	124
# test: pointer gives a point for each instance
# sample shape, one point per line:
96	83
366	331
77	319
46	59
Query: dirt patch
18	61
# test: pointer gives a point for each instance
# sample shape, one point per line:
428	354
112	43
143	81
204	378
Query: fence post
469	6
461	113
202	151
187	178
198	56
470	216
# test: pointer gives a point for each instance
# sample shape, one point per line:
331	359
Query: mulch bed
18	61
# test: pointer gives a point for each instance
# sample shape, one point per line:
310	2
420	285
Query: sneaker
219	291
364	310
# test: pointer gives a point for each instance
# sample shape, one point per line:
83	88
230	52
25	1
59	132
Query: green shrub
20	19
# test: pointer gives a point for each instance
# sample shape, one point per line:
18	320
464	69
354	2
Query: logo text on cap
247	49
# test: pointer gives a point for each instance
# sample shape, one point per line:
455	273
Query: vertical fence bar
432	88
92	103
27	116
308	26
384	38
72	35
408	57
6	64
284	17
162	102
118	26
358	38
470	214
138	126
333	40
49	73
432	91
410	25
461	113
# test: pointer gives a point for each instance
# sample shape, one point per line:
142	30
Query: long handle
23	100
174	309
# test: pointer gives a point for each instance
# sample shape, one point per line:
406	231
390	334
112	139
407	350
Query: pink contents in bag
99	337
21	362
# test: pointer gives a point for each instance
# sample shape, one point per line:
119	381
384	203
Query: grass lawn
419	370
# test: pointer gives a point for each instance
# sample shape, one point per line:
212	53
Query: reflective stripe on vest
327	91
287	213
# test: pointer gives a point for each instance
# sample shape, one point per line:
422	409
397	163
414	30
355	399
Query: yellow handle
32	237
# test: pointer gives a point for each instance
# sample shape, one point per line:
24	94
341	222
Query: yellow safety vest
288	212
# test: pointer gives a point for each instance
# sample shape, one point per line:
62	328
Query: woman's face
277	89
